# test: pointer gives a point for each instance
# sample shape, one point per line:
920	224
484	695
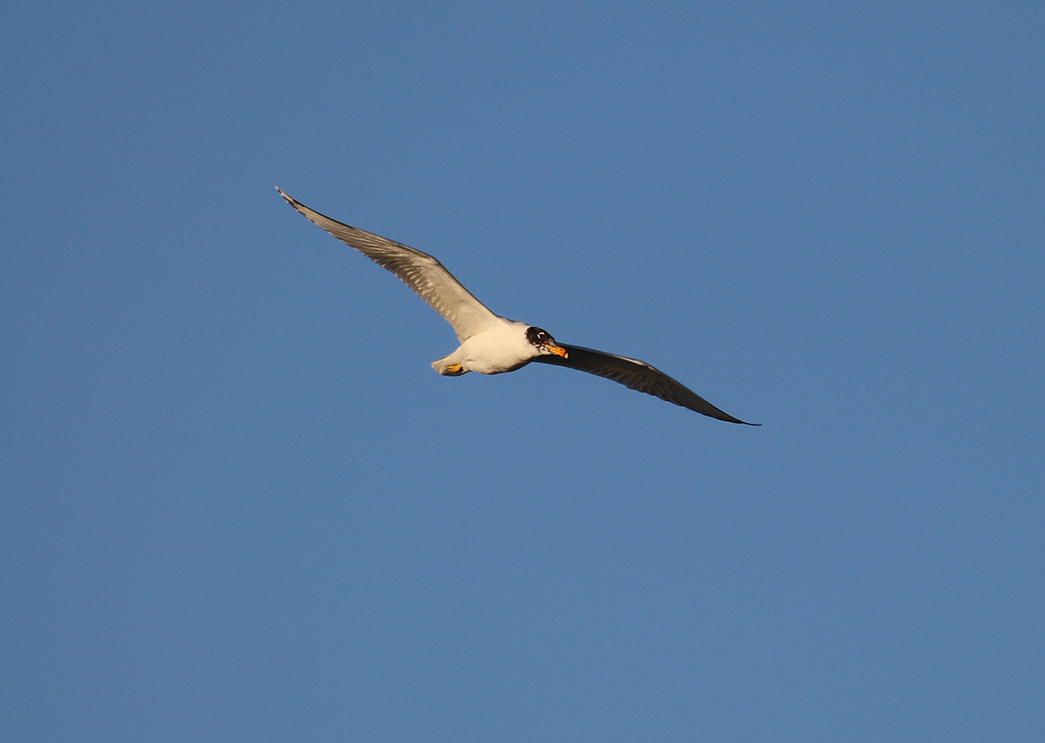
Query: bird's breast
498	350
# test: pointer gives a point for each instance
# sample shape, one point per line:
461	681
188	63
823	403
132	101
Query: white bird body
502	348
491	344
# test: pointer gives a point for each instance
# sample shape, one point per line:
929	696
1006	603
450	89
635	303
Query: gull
491	344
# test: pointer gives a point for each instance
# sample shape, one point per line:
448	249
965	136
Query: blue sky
238	504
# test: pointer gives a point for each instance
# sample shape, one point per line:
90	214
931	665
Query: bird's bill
557	350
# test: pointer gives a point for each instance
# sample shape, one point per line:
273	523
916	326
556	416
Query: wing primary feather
425	275
637	375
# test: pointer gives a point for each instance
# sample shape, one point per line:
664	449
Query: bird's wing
420	271
637	375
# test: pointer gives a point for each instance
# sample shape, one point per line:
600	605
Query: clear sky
238	504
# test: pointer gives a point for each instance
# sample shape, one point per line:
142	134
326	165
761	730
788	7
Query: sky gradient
238	504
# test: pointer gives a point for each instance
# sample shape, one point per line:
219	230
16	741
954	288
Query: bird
491	344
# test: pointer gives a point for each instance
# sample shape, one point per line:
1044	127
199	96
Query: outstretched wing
420	271
637	375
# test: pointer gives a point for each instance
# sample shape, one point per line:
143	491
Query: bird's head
544	343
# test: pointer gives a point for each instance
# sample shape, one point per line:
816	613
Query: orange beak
557	350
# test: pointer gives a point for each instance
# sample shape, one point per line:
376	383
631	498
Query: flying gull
491	344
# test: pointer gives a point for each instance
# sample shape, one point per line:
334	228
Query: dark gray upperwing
637	375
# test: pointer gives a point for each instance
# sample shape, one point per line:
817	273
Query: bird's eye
538	336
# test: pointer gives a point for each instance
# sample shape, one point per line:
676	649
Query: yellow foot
454	370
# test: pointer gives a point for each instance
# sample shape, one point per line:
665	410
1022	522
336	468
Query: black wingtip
730	419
